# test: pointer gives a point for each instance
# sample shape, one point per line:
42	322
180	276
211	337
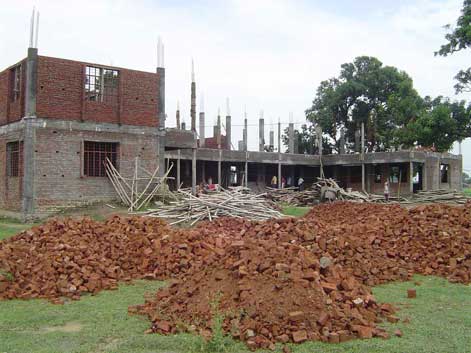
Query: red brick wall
11	111
61	95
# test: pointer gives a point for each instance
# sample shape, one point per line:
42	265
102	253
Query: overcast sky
265	55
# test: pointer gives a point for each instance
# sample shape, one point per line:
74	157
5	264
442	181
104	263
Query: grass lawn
295	211
440	321
9	227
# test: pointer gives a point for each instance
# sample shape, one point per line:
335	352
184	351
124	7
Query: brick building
60	119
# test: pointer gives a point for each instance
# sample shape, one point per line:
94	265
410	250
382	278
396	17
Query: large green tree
439	124
459	38
381	97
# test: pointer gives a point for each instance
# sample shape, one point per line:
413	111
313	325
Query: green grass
9	227
467	191
295	211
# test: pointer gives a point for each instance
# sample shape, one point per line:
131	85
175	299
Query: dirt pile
71	257
269	292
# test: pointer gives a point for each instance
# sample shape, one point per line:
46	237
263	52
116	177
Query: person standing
274	182
283	182
301	184
386	191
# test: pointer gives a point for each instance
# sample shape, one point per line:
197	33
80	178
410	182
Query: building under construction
61	119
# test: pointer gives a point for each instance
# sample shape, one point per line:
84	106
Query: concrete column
272	140
424	176
279	174
178	169
411	177
193	171
219	168
291	138
177	118
202	126
29	140
193	101
228	132
218	132
319	139
357	141
279	138
246	169
261	134
363	177
342	142
244	138
161	113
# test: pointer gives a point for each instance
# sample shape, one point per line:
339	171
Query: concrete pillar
319	139
193	99
177	116
178	169
161	113
357	141
342	142
291	138
219	168
218	131
261	134
202	134
279	138
245	135
29	134
183	125
362	153
240	145
279	174
411	177
362	140
246	169
363	177
424	176
272	140
228	132
193	171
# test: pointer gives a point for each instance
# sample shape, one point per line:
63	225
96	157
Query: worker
301	184
283	182
274	182
386	191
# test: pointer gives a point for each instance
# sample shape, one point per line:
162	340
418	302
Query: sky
264	55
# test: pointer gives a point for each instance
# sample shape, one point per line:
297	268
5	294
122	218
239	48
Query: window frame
14	160
16	77
99	87
401	171
94	154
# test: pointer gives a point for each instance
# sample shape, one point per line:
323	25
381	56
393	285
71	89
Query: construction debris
233	202
281	280
329	190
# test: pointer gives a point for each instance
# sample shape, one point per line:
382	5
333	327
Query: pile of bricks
71	257
282	280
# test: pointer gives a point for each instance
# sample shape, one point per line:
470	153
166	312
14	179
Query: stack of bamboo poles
138	191
443	196
233	202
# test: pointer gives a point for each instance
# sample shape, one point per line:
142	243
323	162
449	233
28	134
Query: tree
381	97
439	124
458	39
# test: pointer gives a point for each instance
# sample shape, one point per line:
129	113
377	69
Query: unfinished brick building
60	119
